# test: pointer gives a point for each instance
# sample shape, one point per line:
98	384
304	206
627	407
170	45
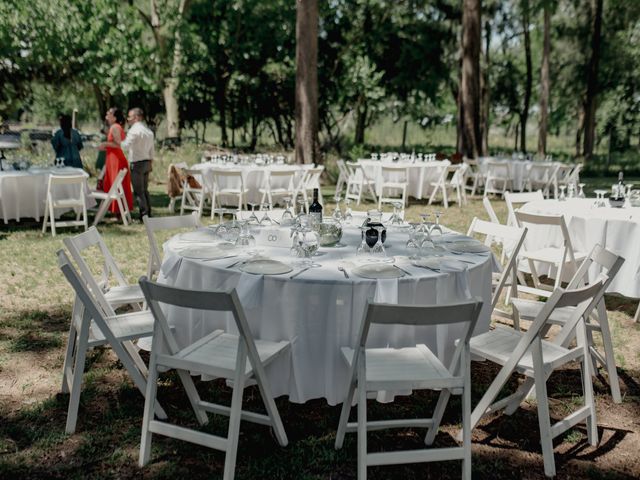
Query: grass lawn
35	304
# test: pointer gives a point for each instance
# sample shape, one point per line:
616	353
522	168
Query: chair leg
433	194
443	399
344	415
149	407
544	420
76	381
44	220
52	219
636	317
235	414
362	421
609	356
466	415
272	410
72	341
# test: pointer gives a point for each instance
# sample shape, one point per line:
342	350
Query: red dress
114	162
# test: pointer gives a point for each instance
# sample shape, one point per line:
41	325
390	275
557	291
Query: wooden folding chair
529	354
609	263
92	326
116	294
235	357
115	194
157	224
416	368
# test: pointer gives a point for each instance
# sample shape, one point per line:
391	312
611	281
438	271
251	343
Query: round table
253	175
616	229
320	310
420	174
23	193
519	169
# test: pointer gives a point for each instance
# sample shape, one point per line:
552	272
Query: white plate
378	271
202	235
208	252
470	246
444	264
264	266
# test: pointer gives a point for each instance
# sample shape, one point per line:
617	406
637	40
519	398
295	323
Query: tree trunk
544	84
171	107
460	119
404	134
592	82
361	121
579	131
485	92
470	85
529	79
306	107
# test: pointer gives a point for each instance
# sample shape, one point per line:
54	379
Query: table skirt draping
320	311
420	174
23	193
519	170
616	229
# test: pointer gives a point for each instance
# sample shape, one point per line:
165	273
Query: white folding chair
540	176
610	264
394	181
563	258
118	293
498	178
357	182
510	238
563	176
515	200
115	194
343	176
529	354
451	179
227	183
235	357
278	184
310	180
474	174
490	211
92	326
193	191
157	224
415	368
76	201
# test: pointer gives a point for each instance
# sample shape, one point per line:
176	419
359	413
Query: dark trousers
140	180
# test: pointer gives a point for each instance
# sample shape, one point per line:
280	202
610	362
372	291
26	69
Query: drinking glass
571	191
581	192
562	197
396	218
378	249
337	213
363	248
245	239
253	218
436	228
600	198
348	216
287	216
266	219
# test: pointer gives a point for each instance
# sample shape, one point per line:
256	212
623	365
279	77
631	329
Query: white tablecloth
321	310
23	193
253	176
616	229
421	174
519	170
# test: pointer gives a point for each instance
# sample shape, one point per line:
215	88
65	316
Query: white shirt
138	143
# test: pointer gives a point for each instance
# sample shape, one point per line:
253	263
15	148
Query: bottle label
316	216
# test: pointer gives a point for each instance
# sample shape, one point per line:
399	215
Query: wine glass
396	218
253	218
363	248
600	198
337	213
378	249
436	228
348	216
562	197
424	225
266	219
245	239
287	216
581	192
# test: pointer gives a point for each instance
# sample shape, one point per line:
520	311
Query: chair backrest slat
157	224
425	315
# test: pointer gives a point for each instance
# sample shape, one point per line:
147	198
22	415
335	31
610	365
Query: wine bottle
315	209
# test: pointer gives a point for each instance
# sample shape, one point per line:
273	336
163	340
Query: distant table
518	169
23	193
420	176
616	229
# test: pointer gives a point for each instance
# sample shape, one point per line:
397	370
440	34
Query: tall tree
545	87
592	80
524	116
307	147
470	83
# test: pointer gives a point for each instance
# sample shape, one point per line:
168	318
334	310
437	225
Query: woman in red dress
115	158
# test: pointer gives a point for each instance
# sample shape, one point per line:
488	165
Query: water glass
287	216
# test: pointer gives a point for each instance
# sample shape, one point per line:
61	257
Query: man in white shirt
139	146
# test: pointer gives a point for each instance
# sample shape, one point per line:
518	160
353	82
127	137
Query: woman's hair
65	125
116	112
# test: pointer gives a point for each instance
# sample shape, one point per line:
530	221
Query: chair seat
67	203
99	195
232	191
411	367
124	294
127	326
216	354
551	255
497	345
529	310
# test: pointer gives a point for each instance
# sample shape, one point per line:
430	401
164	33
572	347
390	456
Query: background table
320	311
616	229
420	174
23	193
519	169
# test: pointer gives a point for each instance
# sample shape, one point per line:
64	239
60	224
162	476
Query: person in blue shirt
67	143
